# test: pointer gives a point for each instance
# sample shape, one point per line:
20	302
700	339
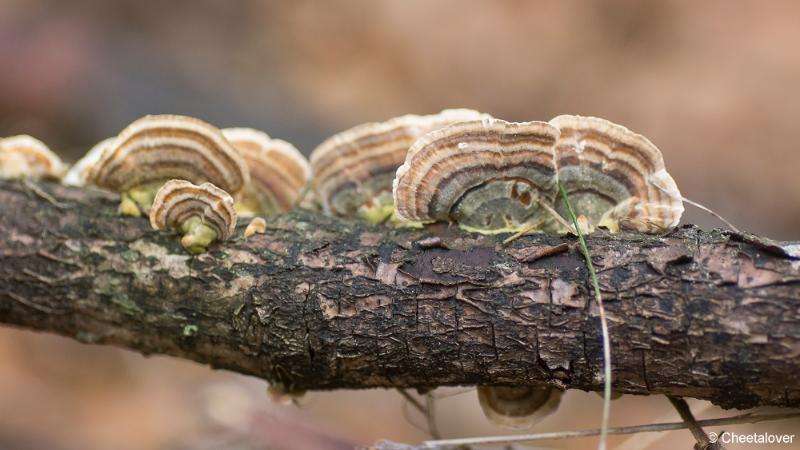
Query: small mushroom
256	226
487	175
278	171
154	149
518	406
24	156
614	177
353	170
77	175
202	214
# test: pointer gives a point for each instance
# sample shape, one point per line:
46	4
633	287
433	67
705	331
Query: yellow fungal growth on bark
256	226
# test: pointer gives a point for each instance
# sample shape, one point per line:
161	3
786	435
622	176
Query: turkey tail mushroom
154	149
354	169
614	177
78	174
518	406
487	175
278	171
25	156
202	214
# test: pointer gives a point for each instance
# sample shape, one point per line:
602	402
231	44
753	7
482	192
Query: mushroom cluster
459	166
158	148
495	176
353	170
186	173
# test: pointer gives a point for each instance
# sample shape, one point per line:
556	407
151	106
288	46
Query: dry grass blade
649	428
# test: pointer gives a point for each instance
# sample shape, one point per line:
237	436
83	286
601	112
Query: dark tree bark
320	303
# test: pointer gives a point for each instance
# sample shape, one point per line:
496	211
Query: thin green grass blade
603	323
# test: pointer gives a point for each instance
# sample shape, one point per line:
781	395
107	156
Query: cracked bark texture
321	303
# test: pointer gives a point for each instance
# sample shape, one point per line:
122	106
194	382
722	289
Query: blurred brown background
713	84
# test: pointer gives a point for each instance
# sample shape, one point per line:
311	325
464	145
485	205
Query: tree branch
320	303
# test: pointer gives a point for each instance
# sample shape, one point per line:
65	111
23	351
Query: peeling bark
321	303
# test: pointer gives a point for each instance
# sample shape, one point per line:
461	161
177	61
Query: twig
426	410
603	323
414	402
410	420
47	197
700	436
443	395
648	440
708	210
431	416
702	207
41	308
649	428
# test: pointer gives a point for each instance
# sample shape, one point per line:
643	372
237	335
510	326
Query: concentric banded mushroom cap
78	173
178	201
354	168
614	177
157	148
25	156
518	406
278	171
487	174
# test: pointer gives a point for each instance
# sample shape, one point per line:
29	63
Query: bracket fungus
154	149
202	214
278	171
486	175
497	176
77	175
25	156
518	406
614	177
354	169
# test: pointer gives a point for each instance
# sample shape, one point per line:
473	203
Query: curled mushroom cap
77	175
202	213
278	171
25	156
518	406
485	175
156	148
354	169
614	177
